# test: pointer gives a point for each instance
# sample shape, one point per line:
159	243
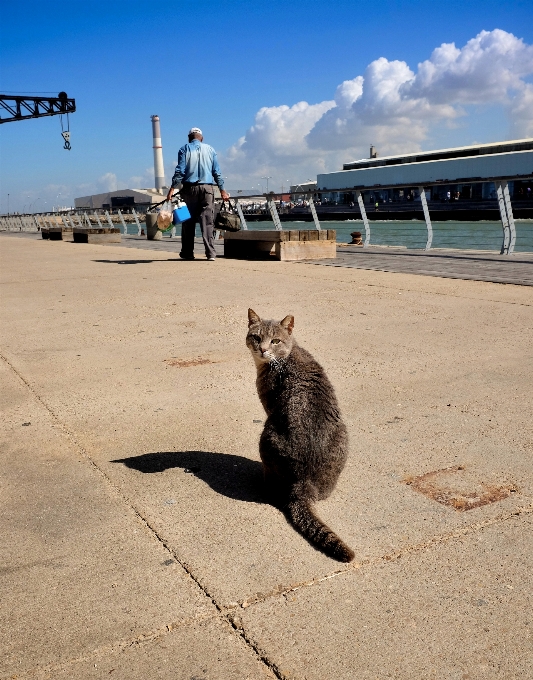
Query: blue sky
285	89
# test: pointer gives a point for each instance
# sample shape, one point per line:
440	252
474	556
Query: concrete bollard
152	232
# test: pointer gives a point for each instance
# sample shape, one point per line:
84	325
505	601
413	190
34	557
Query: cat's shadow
229	475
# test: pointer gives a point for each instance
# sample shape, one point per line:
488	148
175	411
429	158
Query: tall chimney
158	155
373	152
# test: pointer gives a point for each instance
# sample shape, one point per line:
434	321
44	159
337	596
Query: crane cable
65	133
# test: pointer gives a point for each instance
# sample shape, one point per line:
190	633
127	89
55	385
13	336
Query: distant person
198	171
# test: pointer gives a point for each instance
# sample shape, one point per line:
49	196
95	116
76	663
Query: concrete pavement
137	542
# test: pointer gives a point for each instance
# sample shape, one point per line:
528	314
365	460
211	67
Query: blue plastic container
180	214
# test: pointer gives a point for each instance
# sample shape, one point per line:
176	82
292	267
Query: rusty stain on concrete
458	488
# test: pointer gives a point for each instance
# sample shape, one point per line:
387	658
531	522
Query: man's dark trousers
200	199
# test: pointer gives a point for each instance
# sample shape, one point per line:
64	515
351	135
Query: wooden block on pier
61	234
305	244
45	232
305	250
100	235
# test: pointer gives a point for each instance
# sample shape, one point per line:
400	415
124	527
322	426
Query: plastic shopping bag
164	217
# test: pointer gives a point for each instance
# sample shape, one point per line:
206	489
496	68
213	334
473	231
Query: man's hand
169	195
224	194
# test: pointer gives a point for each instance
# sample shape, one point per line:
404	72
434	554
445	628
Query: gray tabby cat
304	443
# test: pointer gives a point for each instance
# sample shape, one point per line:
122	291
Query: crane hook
65	133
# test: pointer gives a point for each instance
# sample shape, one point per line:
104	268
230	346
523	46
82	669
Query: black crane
21	108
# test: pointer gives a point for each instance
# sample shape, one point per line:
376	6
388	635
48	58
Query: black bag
227	218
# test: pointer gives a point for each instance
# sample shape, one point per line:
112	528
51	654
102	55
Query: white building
468	170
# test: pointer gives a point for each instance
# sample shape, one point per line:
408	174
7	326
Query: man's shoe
187	257
211	259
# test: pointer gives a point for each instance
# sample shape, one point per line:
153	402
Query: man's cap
195	131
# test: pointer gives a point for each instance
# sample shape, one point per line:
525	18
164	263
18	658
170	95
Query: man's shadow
232	476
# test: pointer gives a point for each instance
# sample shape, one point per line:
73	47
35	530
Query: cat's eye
275	341
256	338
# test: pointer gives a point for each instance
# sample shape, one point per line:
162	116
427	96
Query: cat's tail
304	519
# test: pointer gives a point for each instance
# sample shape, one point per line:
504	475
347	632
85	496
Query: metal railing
418	233
80	218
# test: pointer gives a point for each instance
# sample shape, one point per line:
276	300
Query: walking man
198	171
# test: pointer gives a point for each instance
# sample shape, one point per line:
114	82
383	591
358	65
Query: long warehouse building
469	170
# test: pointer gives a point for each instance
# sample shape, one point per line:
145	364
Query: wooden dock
450	264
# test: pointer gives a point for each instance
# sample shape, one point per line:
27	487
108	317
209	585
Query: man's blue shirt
197	163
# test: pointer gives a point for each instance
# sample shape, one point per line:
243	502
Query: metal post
241	214
274	213
110	221
422	193
79	221
505	221
97	219
313	213
365	218
64	221
37	223
137	221
122	220
510	217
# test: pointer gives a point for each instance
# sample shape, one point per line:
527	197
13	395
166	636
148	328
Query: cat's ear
288	323
252	317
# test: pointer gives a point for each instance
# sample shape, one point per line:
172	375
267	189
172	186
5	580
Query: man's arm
178	173
217	174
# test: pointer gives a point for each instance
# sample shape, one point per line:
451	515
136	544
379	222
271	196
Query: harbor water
412	234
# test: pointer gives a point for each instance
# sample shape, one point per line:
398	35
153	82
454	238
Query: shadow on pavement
232	476
172	259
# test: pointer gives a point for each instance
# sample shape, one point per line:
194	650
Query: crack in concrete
117	646
151	530
230	614
393	556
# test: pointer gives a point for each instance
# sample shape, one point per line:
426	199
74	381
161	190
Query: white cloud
278	134
107	182
521	113
392	107
484	71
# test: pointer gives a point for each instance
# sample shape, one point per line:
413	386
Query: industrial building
140	199
467	172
